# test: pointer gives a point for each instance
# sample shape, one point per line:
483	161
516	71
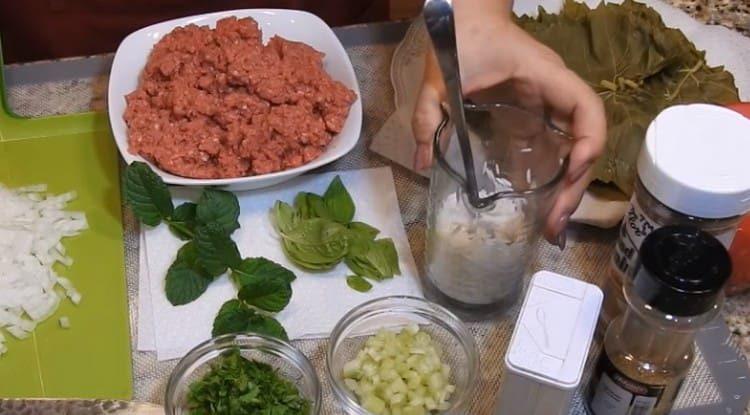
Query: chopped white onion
32	225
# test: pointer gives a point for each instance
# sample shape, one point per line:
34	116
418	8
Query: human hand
538	79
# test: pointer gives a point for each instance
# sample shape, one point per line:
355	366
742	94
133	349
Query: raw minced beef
217	103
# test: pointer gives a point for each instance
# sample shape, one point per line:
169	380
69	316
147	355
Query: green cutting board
92	358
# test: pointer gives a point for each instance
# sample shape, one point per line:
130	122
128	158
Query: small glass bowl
452	336
290	363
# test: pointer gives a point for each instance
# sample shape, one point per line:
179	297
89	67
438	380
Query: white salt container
549	347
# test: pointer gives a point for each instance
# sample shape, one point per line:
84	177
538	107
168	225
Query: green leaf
338	201
358	283
263	268
637	65
233	317
307	257
236	317
147	194
263	324
219	207
361	266
316	244
285	217
378	261
186	280
302	205
269	294
184	284
216	251
390	255
264	284
360	237
363	229
182	222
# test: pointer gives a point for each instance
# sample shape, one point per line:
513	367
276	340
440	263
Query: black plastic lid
682	270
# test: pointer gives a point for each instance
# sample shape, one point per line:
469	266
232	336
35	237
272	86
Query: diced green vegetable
400	373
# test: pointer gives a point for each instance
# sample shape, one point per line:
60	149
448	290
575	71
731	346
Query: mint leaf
219	207
268	294
147	194
182	222
338	201
184	284
263	324
264	284
216	251
233	317
358	283
236	317
263	268
186	280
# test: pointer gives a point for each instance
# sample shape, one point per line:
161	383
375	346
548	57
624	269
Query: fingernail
562	236
561	239
579	172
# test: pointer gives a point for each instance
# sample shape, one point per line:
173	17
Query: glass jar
476	258
289	362
649	349
451	335
683	178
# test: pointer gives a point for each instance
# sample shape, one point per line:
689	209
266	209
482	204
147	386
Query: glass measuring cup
476	258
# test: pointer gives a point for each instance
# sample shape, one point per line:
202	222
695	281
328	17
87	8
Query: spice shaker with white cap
550	345
692	170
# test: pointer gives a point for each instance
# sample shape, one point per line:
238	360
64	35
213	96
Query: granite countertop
734	14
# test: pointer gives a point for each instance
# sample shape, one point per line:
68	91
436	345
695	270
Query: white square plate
133	52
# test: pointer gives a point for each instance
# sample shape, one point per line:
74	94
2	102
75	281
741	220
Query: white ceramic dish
133	52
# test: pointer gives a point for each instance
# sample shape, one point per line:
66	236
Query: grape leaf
636	64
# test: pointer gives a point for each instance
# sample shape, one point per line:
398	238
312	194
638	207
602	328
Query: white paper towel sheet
396	142
319	300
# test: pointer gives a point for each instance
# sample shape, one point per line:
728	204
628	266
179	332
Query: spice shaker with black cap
649	349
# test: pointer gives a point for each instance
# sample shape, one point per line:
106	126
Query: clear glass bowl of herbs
402	354
242	374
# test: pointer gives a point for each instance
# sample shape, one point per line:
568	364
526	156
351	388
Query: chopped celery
400	373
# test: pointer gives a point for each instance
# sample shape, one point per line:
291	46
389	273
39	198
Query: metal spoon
440	22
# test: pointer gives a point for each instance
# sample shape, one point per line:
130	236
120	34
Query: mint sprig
264	286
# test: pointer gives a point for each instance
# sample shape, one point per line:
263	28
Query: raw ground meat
217	103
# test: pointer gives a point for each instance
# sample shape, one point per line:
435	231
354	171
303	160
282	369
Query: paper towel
396	142
319	300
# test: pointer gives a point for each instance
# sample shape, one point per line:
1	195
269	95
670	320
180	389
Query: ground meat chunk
217	103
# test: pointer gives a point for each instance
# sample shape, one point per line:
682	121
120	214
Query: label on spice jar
614	393
636	226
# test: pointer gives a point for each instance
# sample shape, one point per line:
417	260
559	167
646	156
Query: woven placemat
586	255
